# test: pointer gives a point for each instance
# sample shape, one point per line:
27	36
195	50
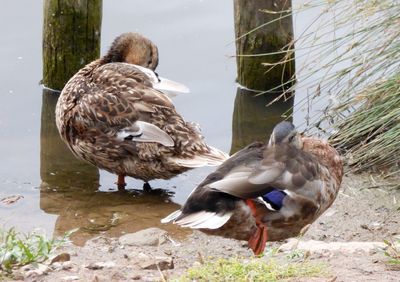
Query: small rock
70	278
61	258
290	245
149	262
100	265
67	265
56	266
17	275
147	237
117	276
196	264
39	270
136	277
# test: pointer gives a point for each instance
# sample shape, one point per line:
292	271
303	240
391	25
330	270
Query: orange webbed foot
258	240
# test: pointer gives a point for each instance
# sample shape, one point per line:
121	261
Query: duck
267	191
117	114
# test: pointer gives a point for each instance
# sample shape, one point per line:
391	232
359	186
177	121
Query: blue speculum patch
275	198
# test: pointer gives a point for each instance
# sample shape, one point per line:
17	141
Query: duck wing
117	101
282	167
146	76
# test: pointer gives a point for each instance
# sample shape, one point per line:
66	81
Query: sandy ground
366	210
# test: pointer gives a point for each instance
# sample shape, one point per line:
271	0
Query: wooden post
249	15
71	38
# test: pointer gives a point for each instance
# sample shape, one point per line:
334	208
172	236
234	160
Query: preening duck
266	191
116	114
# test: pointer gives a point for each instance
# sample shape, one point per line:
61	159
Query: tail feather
171	217
198	220
213	157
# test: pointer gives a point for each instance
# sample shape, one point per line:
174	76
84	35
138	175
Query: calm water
195	39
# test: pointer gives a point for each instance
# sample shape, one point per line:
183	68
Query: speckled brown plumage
110	97
307	169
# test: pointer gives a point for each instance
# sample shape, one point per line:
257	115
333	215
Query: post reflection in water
69	189
253	120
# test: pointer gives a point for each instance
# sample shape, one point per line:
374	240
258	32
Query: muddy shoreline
360	214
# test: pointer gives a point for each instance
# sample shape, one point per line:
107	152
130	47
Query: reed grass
348	77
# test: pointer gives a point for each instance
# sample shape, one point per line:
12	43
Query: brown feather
109	95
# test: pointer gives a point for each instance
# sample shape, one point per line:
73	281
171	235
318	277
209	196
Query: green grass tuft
393	253
17	249
235	269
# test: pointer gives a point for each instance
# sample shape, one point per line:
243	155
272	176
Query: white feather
230	181
146	132
194	218
268	205
169	87
204	219
171	217
212	158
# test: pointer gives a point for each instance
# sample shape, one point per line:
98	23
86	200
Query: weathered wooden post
261	27
71	39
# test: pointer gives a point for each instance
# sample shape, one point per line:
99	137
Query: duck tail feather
170	87
216	156
213	157
171	217
204	219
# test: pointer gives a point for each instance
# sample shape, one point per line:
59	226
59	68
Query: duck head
133	48
285	133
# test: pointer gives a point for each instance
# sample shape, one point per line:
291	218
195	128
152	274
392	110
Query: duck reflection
69	189
252	119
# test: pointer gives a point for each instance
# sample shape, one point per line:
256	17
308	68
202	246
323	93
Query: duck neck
109	58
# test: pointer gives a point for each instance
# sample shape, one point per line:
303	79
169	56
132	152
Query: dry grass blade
348	77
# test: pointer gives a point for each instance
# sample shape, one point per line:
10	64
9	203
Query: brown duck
116	114
266	191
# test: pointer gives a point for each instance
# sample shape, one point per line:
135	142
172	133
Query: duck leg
146	187
259	238
121	182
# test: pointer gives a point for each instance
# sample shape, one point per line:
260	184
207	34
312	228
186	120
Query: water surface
196	44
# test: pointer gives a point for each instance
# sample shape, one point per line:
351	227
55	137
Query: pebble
70	278
39	270
147	237
100	265
61	258
151	262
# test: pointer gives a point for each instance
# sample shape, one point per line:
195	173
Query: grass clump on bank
17	249
370	136
235	269
347	77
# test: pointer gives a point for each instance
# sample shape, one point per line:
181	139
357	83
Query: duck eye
291	138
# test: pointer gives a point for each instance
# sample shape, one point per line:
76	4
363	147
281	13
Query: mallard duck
281	187
116	114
